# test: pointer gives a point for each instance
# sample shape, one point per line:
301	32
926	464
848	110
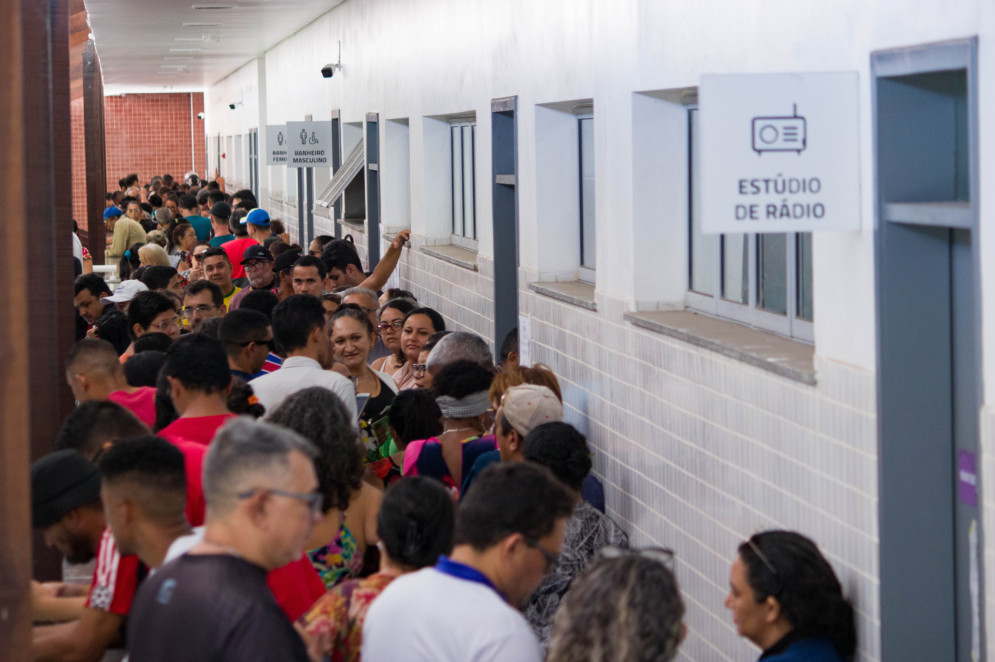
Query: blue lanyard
447	566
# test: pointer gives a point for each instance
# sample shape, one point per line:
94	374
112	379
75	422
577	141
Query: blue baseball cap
114	212
257	217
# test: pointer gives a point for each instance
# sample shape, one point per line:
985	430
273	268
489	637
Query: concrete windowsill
323	212
461	257
782	356
575	292
355	225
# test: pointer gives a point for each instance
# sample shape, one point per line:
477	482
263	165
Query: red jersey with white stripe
115	578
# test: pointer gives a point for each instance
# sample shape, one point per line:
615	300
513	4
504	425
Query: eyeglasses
662	555
271	344
200	310
163	326
256	264
314	500
386	326
552	560
419	368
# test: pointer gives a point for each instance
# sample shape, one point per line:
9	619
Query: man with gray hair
459	346
213	603
367	299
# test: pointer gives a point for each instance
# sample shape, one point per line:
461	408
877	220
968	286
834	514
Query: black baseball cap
60	482
256	252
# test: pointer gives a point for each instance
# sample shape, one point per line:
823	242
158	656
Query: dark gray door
929	356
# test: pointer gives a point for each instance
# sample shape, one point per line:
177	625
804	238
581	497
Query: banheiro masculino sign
779	152
309	144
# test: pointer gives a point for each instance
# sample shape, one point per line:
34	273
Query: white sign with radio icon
779	152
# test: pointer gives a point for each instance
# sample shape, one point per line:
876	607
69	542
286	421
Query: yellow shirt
234	291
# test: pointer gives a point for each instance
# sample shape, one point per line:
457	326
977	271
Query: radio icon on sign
779	134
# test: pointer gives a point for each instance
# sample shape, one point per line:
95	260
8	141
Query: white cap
125	291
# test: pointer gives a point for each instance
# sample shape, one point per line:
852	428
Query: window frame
585	273
462	239
749	313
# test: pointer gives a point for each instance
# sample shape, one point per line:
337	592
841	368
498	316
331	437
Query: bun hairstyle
416	522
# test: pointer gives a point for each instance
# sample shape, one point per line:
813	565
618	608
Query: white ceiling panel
187	45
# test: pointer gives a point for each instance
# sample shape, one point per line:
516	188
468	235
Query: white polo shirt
435	617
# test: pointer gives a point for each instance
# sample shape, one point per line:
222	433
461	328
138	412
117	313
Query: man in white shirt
299	328
509	532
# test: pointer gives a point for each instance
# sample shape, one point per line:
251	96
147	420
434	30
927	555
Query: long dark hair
790	567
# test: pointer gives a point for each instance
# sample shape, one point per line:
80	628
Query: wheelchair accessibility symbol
779	134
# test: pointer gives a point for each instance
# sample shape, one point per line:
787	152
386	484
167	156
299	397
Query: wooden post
96	157
36	325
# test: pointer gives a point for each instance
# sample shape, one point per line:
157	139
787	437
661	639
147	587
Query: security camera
200	115
232	106
328	70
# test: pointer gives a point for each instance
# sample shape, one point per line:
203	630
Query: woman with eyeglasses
416	328
627	607
563	450
348	525
786	599
352	339
390	320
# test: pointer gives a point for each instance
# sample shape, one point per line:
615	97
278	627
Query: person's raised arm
385	267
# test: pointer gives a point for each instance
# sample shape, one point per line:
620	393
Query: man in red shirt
95	373
243	240
199	382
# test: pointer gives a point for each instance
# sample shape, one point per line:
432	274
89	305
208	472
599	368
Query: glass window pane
804	243
587	220
703	247
735	268
457	185
469	229
772	273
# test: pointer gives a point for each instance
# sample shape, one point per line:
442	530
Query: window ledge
575	292
323	212
782	356
355	224
461	257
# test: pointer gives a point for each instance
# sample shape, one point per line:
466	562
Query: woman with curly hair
625	608
786	599
349	523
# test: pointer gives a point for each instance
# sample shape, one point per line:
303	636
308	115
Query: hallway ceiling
187	45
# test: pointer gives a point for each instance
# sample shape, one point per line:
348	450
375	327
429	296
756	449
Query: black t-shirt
210	608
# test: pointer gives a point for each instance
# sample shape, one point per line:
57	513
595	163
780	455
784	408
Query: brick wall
151	134
78	165
145	133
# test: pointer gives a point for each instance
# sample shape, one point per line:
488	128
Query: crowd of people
274	458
